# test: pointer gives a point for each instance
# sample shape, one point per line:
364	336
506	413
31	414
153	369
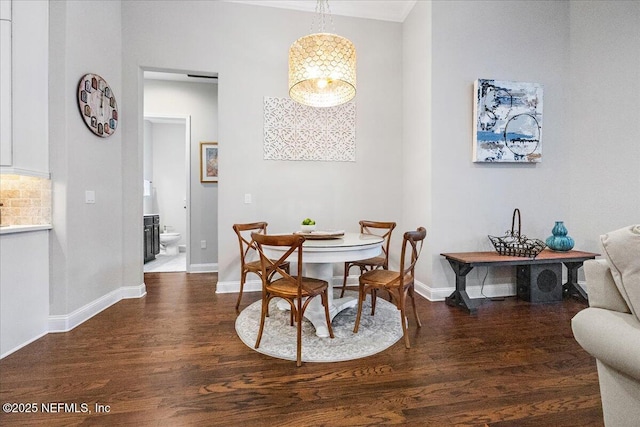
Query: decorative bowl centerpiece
308	225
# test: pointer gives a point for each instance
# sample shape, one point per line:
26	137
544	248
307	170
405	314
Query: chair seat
384	278
287	288
375	261
253	266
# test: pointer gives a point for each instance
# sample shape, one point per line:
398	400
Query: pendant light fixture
322	66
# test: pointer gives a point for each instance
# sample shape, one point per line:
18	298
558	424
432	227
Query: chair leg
243	278
403	319
361	297
299	335
292	310
374	297
263	313
413	303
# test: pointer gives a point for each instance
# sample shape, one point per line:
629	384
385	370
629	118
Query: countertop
10	229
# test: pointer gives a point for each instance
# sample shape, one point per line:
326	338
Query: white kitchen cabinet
5	83
25	123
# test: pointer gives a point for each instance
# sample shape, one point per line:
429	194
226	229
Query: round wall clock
97	105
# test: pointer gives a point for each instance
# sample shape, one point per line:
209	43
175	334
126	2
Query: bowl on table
307	228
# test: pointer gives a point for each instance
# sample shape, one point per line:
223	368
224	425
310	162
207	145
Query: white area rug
376	333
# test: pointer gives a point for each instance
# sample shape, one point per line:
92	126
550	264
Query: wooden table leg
571	288
459	297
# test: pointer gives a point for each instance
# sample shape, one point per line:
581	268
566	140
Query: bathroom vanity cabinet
151	237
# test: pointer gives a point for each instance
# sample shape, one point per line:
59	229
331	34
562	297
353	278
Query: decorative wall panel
293	131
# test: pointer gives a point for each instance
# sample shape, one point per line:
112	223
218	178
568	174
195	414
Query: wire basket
513	243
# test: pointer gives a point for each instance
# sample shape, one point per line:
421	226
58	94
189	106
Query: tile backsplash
26	200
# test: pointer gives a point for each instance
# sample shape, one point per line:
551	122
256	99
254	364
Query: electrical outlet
247	198
203	244
89	196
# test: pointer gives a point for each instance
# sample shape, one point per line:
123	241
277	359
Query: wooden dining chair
297	290
248	252
398	283
382	229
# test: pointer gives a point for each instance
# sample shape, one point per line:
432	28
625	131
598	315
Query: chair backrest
270	267
413	240
382	229
244	231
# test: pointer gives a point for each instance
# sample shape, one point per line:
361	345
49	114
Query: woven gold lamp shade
322	70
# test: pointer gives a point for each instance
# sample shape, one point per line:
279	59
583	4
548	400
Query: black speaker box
540	282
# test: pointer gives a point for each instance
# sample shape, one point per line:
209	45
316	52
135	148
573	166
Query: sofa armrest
601	289
611	337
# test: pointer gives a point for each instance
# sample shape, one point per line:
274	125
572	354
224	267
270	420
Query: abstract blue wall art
507	120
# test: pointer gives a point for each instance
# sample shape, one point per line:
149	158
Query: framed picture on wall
507	122
208	162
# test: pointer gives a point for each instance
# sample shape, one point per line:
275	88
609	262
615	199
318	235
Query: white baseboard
432	294
66	322
205	268
233	286
130	292
493	290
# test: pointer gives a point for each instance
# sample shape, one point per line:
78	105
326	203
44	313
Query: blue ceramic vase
559	241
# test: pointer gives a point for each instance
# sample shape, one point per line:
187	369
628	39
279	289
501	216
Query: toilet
169	242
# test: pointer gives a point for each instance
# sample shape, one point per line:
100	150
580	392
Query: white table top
350	247
347	241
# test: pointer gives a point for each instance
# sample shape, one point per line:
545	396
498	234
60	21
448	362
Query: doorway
189	100
166	172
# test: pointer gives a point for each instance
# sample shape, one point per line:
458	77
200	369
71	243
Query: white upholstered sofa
609	329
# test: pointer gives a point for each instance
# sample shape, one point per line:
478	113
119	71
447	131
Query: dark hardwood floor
173	358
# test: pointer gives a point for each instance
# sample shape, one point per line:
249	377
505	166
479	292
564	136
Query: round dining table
318	257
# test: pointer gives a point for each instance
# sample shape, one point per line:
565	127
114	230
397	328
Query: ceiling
385	10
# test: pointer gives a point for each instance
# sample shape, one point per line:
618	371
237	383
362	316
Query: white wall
199	101
522	41
231	39
605	144
87	239
416	132
587	56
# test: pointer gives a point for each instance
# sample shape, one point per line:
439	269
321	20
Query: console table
544	270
